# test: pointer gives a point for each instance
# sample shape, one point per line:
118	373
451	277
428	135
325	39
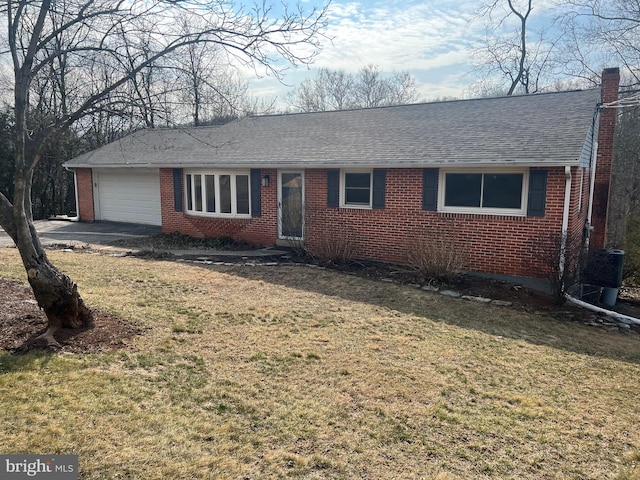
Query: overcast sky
432	39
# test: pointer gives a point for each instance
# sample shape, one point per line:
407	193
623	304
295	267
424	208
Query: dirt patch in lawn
21	321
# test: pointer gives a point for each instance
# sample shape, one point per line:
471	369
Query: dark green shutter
333	188
537	193
379	186
430	189
177	189
256	193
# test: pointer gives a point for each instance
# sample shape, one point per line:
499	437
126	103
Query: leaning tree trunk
58	296
54	291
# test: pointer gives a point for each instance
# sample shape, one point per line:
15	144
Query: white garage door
128	195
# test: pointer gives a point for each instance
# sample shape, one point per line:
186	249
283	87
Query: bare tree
93	41
205	84
625	178
600	30
598	34
402	89
512	50
328	90
339	90
371	90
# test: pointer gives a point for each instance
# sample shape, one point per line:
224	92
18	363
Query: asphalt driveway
63	231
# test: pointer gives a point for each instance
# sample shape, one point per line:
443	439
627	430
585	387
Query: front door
291	205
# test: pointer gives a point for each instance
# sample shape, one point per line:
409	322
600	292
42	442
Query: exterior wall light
265	181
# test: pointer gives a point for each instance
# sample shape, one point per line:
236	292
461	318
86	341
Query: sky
433	40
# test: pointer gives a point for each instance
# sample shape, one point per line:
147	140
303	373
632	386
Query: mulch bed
21	321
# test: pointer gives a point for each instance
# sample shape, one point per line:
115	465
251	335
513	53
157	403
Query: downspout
592	183
594	308
565	219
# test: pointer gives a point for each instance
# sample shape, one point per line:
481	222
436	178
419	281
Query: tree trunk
54	291
58	296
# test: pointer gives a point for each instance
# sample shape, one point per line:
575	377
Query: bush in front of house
436	257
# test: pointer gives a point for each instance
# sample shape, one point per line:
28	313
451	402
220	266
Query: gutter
338	164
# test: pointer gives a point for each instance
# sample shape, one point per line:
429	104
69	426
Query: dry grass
293	372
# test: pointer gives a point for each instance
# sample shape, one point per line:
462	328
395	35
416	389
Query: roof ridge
418	104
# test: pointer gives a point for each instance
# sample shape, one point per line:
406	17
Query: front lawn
298	372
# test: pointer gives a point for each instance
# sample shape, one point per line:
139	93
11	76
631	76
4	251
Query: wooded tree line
340	90
194	84
53	186
577	39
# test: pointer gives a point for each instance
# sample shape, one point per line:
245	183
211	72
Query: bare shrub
298	245
330	245
435	256
331	248
631	247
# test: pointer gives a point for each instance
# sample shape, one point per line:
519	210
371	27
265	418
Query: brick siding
84	179
262	230
488	243
492	244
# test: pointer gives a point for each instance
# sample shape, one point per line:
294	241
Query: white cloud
392	36
432	40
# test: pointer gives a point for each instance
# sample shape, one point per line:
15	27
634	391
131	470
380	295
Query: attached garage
127	195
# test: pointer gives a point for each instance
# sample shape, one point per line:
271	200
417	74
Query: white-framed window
494	192
218	193
356	188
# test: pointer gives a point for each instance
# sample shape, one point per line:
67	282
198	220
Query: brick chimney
606	135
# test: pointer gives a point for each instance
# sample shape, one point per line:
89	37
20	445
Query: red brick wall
261	230
84	181
606	135
488	243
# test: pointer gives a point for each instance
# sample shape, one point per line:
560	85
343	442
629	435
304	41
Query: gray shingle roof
549	129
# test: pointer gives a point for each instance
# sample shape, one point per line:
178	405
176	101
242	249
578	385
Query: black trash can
605	268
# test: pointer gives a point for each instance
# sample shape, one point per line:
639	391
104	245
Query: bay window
218	193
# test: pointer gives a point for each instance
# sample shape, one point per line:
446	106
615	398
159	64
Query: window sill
356	207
